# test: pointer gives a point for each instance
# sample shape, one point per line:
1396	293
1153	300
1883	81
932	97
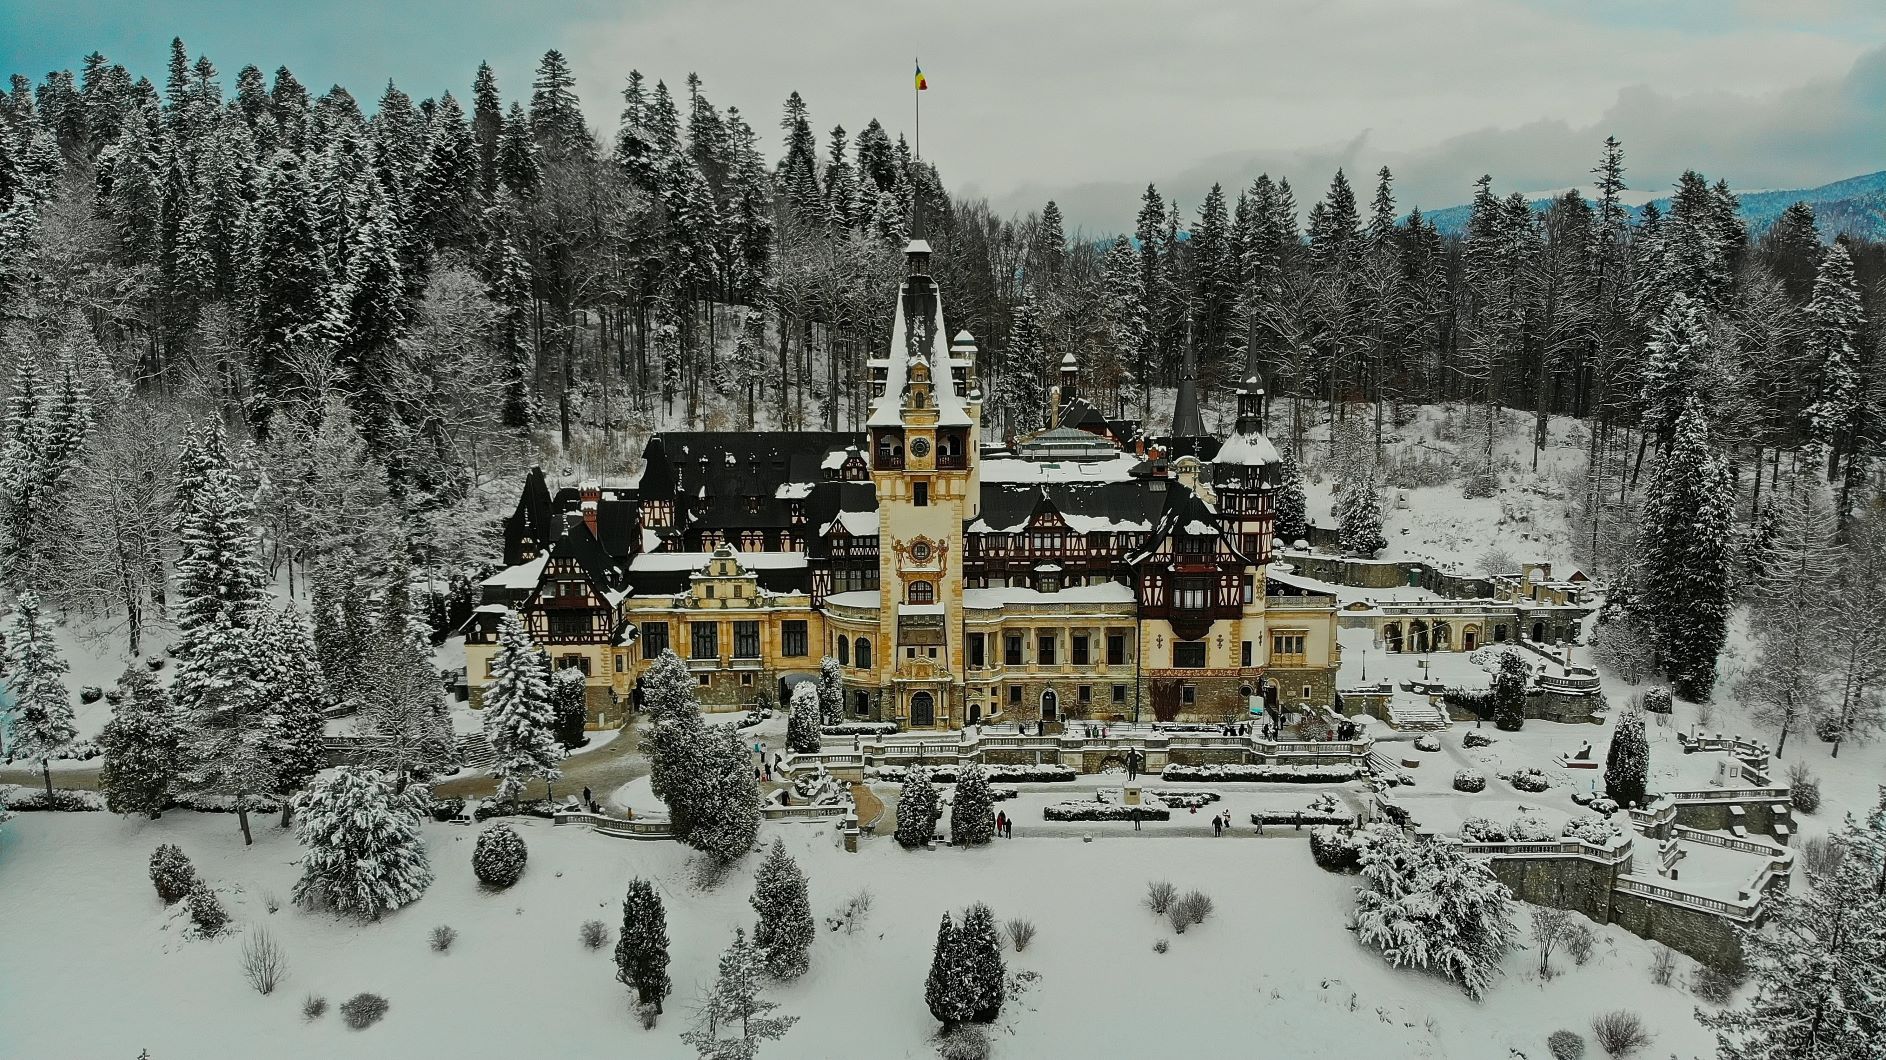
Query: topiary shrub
1529	780
1592	828
1566	1045
499	857
1427	743
1659	701
1470	781
1483	830
171	873
1476	738
1530	828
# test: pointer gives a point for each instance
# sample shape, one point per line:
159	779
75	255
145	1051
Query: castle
1064	578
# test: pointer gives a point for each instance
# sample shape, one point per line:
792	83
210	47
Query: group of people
1004	825
763	770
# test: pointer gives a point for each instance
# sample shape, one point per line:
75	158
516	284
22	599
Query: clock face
920	551
920	447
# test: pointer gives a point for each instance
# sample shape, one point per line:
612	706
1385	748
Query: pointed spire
917	251
1251	395
1186	421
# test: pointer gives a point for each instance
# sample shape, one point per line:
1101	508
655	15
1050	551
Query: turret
1186	421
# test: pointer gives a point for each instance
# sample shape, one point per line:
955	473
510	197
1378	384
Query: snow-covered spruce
520	719
967	980
141	747
1339	848
206	909
42	725
917	810
785	929
1470	781
972	811
365	855
498	858
1105	811
1685	546
642	948
1424	904
802	719
832	695
1283	774
569	706
733	1018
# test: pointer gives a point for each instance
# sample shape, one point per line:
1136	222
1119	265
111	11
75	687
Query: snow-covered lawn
1273	972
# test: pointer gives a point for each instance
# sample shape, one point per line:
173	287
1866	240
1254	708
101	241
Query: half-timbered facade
1062	577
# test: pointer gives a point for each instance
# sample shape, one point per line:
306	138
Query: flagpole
917	96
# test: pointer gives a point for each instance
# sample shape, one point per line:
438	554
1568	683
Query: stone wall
1704	936
1758	817
1560	882
1545	706
1387	574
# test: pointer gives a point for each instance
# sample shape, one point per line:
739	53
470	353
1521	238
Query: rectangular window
1078	651
1192	594
1119	693
1116	649
1244	656
1044	651
491	667
1286	644
654	639
792	638
920	494
1015	695
1086	695
1250	591
706	643
1188	695
622	661
746	640
1012	650
702	680
1188	654
746	679
978	654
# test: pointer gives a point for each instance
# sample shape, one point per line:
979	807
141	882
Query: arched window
922	593
844	651
862	650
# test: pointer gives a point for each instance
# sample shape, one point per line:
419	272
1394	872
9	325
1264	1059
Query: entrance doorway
1050	705
922	710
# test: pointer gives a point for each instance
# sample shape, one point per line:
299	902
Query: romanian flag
922	84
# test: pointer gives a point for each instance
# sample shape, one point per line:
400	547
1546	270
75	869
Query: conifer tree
287	285
556	116
733	1018
1833	320
916	809
510	293
42	724
1425	904
1676	363
140	746
831	691
785	929
984	972
569	695
725	819
519	718
1627	764
487	126
946	989
299	692
1685	567
642	946
972	814
1359	515
1292	507
802	719
518	167
365	855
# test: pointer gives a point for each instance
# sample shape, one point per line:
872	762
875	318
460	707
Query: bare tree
263	961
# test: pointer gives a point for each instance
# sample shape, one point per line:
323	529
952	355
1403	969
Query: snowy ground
1273	972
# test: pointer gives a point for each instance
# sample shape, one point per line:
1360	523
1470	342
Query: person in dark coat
1217	826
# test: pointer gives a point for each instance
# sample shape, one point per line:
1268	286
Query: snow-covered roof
523	576
1248	449
887	407
920	609
650	562
917	246
857	524
1116	468
854	598
793	491
990	599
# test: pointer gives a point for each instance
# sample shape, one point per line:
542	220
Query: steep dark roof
1008	506
535	517
1183	508
577	543
827	500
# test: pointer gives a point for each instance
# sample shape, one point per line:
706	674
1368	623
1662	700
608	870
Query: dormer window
922	592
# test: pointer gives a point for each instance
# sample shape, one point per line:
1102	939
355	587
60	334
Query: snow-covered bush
1529	780
1425	904
1160	895
1429	742
91	694
916	810
1338	848
965	1041
1579	940
802	719
363	1010
1161	945
206	910
594	934
442	938
313	1007
1013	774
264	963
499	857
1566	1045
1190	909
1476	738
1260	774
1602	805
1804	788
1021	932
859	728
1620	1032
1103	811
1470	781
171	873
1659	701
1530	828
1483	830
1592	828
1187	800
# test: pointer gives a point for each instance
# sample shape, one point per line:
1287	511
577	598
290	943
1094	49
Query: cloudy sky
1085	101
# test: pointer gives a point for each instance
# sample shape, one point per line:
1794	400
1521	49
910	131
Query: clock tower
924	434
